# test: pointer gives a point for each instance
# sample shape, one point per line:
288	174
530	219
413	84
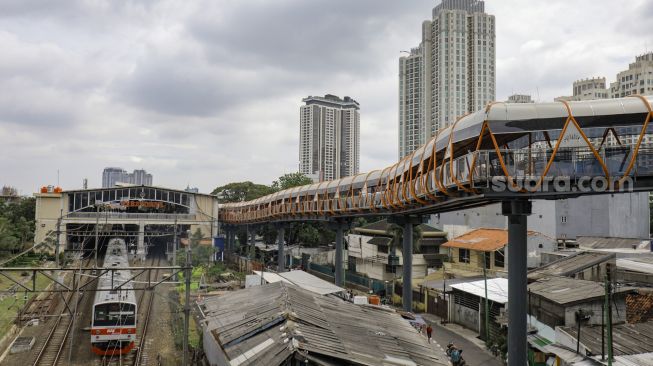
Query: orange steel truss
429	181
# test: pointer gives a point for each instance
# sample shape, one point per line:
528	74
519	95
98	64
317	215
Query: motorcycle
455	355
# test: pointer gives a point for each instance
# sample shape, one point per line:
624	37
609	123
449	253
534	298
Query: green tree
199	253
291	180
16	223
241	191
397	233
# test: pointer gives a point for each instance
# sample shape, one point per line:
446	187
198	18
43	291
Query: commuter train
113	322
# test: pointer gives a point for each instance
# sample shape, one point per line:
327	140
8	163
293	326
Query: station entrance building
145	216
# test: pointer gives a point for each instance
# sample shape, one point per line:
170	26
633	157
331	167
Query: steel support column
251	250
281	257
339	268
407	254
517	211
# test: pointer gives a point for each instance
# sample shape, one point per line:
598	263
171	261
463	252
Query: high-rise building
458	63
638	79
329	137
113	175
411	114
586	89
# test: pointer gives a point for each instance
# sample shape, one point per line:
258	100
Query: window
563	219
499	258
463	255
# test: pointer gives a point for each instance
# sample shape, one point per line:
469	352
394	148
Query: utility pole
603	316
609	285
174	249
187	274
487	307
97	223
58	243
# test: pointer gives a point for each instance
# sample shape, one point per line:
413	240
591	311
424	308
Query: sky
207	92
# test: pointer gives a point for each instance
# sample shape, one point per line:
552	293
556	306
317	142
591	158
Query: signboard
147	204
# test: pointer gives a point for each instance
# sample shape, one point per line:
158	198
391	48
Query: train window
114	314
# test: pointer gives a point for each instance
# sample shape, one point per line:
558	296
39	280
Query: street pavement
473	354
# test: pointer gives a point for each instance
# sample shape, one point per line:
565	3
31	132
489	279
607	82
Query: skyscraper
113	175
329	137
411	90
458	65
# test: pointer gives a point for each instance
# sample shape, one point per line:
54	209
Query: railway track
53	347
140	355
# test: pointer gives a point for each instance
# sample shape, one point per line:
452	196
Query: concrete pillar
407	290
339	275
517	211
281	258
140	249
252	242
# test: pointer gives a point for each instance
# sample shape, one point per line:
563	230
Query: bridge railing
130	216
575	162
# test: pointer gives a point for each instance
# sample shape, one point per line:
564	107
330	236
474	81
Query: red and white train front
113	324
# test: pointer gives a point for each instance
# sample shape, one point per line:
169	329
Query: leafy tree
308	235
199	253
16	223
397	233
291	180
241	191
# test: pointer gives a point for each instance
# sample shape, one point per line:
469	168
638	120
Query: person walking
429	332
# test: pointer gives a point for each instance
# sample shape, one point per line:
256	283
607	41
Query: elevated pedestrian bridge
504	152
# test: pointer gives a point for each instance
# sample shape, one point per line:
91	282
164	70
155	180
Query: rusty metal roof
484	240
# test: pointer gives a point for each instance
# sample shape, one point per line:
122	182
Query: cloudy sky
203	93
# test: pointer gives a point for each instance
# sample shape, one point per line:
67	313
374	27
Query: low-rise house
467	304
591	266
555	301
470	253
281	324
372	251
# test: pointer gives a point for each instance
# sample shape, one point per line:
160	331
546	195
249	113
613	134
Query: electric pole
187	274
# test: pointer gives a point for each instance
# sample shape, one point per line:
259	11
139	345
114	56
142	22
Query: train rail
52	349
139	356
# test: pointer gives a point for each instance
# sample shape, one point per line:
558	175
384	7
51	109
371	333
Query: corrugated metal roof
638	264
497	289
628	339
311	283
273	323
486	240
643	359
600	242
570	265
564	290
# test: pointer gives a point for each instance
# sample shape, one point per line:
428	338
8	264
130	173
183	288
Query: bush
396	299
419	307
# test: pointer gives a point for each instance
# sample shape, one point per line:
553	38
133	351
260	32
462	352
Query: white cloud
208	92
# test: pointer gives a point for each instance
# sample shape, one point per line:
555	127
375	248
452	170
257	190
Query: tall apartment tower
458	64
113	175
329	137
411	106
